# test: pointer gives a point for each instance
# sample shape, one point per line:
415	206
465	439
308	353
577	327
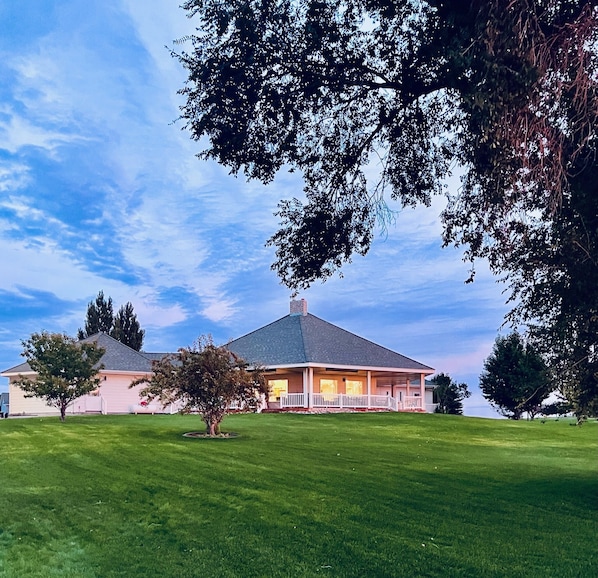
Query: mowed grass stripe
298	495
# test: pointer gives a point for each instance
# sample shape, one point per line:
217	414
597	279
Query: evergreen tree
126	328
448	394
515	378
100	317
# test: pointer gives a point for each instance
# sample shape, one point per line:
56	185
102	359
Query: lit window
277	388
354	387
329	388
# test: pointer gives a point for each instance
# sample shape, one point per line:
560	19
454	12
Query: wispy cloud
101	189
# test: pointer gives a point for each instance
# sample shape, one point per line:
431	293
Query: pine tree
126	328
100	317
448	394
515	378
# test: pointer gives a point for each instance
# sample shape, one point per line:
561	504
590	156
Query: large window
277	388
354	387
328	388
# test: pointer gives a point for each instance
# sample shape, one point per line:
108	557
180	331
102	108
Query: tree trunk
213	427
62	411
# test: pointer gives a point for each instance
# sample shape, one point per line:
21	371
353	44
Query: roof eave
423	370
11	373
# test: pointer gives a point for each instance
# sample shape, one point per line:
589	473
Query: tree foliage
65	369
376	102
126	328
207	379
100	317
123	326
448	394
515	378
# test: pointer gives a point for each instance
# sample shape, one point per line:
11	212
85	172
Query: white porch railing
384	401
412	402
292	400
341	400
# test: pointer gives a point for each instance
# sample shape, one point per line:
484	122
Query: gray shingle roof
305	339
118	356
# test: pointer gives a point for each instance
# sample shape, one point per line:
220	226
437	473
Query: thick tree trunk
62	412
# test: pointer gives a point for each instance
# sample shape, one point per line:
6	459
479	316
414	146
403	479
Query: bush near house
348	495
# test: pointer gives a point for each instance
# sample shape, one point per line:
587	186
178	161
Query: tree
376	101
448	394
558	295
515	378
66	369
207	379
123	326
126	328
100	317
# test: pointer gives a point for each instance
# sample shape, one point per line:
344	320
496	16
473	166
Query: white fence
341	400
412	402
292	400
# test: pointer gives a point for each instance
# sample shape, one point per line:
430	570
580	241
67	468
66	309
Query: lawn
298	495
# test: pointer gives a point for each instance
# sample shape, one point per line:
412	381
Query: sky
101	189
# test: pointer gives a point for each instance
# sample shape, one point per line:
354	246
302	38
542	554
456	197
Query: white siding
21	405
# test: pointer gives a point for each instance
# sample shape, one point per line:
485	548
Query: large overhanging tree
342	90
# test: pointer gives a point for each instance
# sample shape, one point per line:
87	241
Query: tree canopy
515	379
100	317
126	328
123	326
65	369
449	394
376	102
207	379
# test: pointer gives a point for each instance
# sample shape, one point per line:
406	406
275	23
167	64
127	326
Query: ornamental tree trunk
213	426
63	411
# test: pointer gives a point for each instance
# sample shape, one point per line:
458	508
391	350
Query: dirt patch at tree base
202	435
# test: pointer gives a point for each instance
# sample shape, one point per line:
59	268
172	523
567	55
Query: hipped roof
307	339
117	357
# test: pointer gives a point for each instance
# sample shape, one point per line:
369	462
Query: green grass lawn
298	495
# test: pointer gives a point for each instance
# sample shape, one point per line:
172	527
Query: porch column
305	387
310	387
422	390
369	382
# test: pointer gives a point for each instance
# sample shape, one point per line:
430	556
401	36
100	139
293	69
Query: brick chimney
298	307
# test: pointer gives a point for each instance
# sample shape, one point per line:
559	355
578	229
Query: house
309	364
122	366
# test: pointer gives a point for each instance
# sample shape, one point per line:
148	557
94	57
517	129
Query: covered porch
316	387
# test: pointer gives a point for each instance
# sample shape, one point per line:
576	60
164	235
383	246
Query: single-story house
309	364
122	366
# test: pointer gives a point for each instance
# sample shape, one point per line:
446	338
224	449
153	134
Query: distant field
351	495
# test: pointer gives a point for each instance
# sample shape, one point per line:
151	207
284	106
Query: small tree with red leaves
206	379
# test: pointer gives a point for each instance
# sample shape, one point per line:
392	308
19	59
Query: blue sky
100	189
